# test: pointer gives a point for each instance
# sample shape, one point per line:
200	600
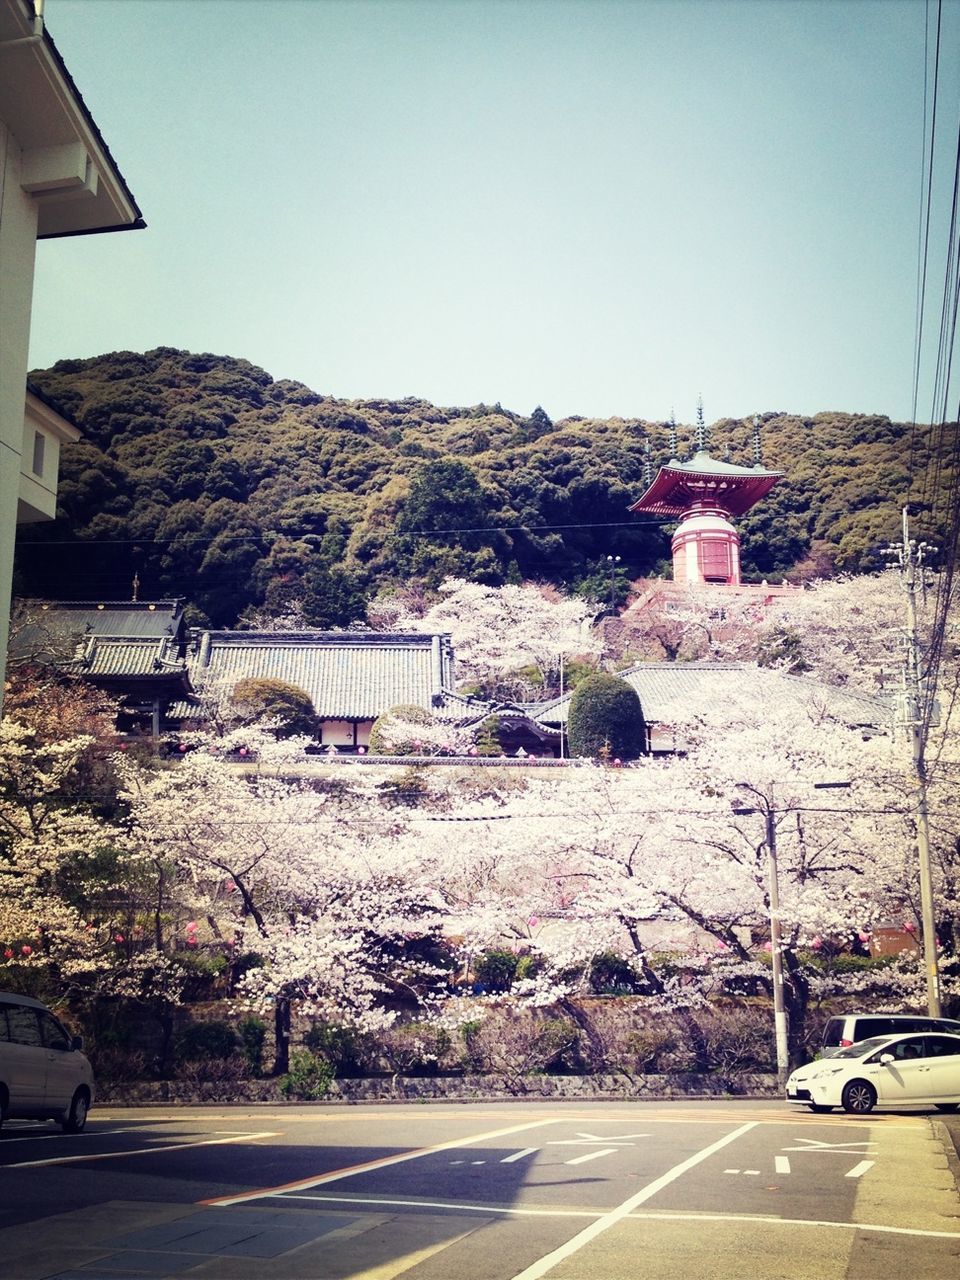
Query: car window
833	1032
942	1046
54	1036
24	1027
869	1027
860	1049
902	1050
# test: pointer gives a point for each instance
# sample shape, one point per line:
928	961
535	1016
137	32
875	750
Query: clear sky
601	206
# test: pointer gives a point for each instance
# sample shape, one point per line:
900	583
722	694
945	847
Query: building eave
68	167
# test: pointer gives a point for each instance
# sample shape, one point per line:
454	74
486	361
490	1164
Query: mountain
204	478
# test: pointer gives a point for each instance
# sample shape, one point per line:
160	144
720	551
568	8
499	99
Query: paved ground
519	1191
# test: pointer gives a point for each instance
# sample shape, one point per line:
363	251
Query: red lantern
26	949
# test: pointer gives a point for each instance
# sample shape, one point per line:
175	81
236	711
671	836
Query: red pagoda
705	493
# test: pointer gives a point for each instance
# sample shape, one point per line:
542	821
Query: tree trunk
281	1029
796	999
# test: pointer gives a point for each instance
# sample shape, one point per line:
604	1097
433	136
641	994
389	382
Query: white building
57	178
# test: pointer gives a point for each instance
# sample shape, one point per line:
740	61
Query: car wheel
948	1106
77	1115
819	1107
859	1097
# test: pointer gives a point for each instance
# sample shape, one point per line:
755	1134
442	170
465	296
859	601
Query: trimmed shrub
606	720
309	1077
488	737
495	970
253	1035
257	700
206	1040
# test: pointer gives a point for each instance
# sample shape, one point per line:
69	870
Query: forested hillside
206	479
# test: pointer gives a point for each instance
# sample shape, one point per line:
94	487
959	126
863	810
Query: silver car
43	1074
886	1071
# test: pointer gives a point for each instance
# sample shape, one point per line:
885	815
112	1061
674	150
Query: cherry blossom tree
66	878
497	631
322	884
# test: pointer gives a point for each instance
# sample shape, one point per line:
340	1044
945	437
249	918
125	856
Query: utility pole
766	807
776	957
910	555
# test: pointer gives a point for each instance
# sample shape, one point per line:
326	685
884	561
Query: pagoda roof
680	485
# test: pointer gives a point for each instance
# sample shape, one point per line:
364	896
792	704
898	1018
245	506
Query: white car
43	1074
885	1071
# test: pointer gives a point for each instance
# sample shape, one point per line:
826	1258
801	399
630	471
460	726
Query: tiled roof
48	621
348	675
674	692
125	658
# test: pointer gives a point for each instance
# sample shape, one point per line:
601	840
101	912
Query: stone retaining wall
600	1088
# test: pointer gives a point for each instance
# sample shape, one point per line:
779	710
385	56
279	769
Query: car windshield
861	1048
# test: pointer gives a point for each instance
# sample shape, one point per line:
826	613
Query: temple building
705	493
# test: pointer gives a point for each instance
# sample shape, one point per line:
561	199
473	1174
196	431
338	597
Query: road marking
769	1220
781	1164
860	1169
550	1260
651	1215
584	1138
498	1210
593	1155
837	1148
351	1171
518	1155
141	1151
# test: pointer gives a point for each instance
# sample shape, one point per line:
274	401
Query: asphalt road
681	1191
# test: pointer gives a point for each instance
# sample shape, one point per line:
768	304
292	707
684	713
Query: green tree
256	700
606	719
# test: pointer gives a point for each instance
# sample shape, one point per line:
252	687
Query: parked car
849	1028
43	1074
886	1071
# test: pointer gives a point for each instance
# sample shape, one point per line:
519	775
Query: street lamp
766	807
612	561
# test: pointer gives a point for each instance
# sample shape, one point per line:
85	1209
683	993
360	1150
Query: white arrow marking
518	1155
584	1139
840	1148
592	1155
859	1169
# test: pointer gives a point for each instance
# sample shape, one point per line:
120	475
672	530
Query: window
54	1036
24	1027
942	1046
39	444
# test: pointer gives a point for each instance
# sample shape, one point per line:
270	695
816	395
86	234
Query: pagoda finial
673	434
701	427
757	455
647	465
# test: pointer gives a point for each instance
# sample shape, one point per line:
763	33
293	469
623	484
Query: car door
906	1078
61	1062
26	1061
943	1059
